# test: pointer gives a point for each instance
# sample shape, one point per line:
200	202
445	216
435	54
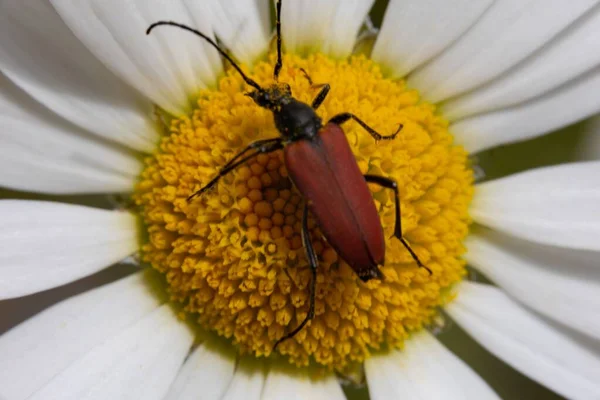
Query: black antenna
278	24
248	80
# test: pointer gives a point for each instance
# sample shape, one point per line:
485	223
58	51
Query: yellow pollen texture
233	257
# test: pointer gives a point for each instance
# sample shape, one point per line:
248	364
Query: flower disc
233	257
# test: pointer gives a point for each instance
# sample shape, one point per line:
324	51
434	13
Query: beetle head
273	97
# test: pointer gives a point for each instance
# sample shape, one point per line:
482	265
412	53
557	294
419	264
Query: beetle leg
252	146
261	147
391	184
322	93
321	96
313	262
343	117
310	81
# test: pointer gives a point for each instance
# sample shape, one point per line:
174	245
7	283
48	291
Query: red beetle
339	198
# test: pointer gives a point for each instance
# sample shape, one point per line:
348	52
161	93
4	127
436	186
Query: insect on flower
322	166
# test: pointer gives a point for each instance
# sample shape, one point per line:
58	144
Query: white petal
424	370
525	342
573	53
247	382
285	383
138	363
509	32
206	374
46	244
41	55
415	31
40	152
169	66
244	26
330	27
35	351
555	282
557	205
570	103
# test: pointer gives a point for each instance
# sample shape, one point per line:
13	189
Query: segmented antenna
248	80
279	63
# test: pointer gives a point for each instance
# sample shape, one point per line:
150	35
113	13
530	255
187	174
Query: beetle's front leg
343	117
261	146
316	103
391	184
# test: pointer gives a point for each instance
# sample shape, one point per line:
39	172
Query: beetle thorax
293	119
296	120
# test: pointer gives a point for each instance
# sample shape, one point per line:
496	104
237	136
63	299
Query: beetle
323	168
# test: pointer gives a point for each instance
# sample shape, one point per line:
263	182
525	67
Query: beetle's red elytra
338	198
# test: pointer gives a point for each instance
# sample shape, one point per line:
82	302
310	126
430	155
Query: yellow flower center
233	258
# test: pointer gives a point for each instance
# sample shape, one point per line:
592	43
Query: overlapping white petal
34	352
46	244
559	283
285	383
557	205
169	66
572	54
248	380
525	342
507	33
424	370
40	152
206	374
41	55
572	102
243	26
330	27
415	31
138	363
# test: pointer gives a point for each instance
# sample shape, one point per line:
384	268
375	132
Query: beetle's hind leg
391	184
343	117
313	262
261	147
316	103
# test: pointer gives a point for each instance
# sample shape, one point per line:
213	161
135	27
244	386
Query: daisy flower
92	105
